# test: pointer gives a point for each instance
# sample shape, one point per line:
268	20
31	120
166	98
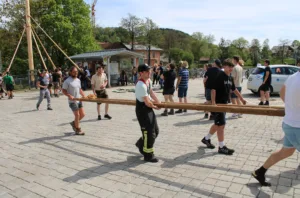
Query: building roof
142	47
104	53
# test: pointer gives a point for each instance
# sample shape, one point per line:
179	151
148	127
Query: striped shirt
184	74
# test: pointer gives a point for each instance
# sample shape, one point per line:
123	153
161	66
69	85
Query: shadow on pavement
28	111
194	122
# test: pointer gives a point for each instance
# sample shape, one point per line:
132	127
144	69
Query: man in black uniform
145	114
220	93
264	89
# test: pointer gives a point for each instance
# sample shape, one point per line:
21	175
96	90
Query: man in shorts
219	95
99	82
55	80
182	84
264	89
237	75
72	89
9	82
290	94
169	87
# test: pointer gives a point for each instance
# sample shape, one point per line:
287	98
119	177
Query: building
155	53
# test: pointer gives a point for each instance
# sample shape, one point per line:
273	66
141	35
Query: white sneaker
240	115
234	116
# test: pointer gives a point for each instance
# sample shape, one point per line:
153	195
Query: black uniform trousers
149	128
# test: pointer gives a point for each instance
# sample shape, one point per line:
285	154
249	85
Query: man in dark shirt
169	87
209	79
264	89
220	92
161	71
43	91
55	80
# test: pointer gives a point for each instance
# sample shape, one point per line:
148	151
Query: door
279	76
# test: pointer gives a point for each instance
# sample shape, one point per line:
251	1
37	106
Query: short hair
100	66
241	62
209	65
172	66
228	62
185	64
236	58
56	70
267	61
71	69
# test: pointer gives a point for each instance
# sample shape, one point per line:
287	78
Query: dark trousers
149	128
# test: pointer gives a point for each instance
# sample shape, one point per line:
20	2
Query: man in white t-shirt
290	94
145	114
99	82
237	75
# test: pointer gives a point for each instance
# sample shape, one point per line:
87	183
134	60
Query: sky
231	19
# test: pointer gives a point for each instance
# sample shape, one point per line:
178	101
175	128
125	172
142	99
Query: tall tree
284	44
265	53
224	48
133	24
255	51
150	35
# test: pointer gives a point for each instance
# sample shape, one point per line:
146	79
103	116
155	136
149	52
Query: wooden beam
29	40
255	110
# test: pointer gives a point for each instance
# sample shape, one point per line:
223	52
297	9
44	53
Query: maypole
29	40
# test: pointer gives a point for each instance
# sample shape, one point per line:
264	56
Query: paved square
40	156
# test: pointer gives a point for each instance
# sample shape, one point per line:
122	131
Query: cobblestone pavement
40	156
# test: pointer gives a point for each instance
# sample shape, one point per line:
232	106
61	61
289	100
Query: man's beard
73	75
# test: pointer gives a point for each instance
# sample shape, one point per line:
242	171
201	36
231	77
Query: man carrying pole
145	114
220	95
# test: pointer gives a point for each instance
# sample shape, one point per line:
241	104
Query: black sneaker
152	159
225	151
49	108
37	107
260	178
261	103
267	103
99	117
179	111
184	110
206	116
165	113
139	145
208	143
107	116
171	112
211	117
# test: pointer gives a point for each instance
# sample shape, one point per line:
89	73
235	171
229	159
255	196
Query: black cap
143	67
218	62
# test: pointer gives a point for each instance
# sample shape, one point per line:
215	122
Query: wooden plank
254	110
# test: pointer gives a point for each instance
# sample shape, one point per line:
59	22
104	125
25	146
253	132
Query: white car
279	75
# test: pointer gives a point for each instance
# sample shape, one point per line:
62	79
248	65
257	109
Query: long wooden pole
16	50
39	51
29	40
49	58
200	107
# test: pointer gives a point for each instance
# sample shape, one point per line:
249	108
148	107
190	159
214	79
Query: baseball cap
143	67
218	63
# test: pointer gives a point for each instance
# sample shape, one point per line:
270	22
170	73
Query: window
290	70
258	70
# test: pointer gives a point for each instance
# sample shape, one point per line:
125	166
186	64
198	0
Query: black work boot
171	112
179	111
149	157
165	113
139	145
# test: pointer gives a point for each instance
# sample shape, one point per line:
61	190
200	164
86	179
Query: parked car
279	75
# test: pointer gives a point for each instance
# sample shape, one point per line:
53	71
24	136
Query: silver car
279	75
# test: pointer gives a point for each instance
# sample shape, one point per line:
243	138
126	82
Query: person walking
55	80
145	114
44	91
237	75
264	89
169	87
72	89
220	95
99	82
9	83
182	84
290	94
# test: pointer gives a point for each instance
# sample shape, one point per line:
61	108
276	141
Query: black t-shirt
223	84
42	82
55	77
161	70
169	79
269	80
211	75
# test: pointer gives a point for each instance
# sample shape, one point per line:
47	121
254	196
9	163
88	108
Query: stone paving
40	156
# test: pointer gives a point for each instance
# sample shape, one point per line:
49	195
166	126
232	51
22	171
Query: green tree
224	49
133	25
265	52
255	51
188	56
176	54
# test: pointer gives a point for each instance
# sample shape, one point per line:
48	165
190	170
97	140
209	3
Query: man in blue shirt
182	84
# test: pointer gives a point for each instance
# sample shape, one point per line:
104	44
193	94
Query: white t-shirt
292	101
142	90
97	81
73	87
237	74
